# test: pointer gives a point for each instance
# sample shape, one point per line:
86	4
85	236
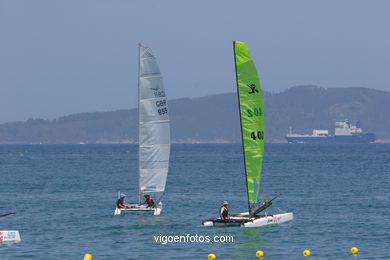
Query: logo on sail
253	89
159	94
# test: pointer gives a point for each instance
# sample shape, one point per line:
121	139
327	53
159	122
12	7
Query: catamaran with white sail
154	135
252	133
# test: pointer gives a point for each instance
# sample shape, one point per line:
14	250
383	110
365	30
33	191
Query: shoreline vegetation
215	119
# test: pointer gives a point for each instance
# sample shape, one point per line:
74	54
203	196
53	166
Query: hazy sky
62	57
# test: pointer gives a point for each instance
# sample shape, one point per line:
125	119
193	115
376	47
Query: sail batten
154	125
251	118
155	122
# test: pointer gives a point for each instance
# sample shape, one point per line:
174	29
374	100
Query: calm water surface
64	196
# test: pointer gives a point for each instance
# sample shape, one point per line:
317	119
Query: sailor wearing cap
223	212
120	204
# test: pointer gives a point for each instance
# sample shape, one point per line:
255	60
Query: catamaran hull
136	208
250	222
9	236
270	220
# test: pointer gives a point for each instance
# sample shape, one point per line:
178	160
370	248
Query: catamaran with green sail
252	132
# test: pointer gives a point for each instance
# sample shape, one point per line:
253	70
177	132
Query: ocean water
65	195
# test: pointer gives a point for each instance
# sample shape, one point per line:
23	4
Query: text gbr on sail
162	107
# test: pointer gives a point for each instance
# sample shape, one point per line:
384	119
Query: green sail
252	119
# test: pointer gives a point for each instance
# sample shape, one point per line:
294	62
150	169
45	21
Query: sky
64	57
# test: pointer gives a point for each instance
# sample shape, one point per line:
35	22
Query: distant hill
215	118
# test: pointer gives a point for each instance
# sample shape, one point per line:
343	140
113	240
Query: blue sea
64	197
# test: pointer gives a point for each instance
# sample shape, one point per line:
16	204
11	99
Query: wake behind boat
252	132
154	138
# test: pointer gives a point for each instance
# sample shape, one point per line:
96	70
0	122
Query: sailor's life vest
149	201
120	203
223	212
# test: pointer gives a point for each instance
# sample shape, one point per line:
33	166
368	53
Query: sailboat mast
139	125
242	136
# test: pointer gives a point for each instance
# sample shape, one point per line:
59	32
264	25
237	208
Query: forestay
252	120
154	135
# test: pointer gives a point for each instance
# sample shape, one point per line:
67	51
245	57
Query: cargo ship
344	132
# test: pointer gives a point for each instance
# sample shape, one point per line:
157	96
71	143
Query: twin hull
136	208
251	222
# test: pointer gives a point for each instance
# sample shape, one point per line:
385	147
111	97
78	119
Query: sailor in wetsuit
224	211
149	200
120	204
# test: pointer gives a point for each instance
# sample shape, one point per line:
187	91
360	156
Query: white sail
154	133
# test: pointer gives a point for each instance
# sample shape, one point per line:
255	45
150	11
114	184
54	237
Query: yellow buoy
306	253
88	257
354	251
259	254
211	257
